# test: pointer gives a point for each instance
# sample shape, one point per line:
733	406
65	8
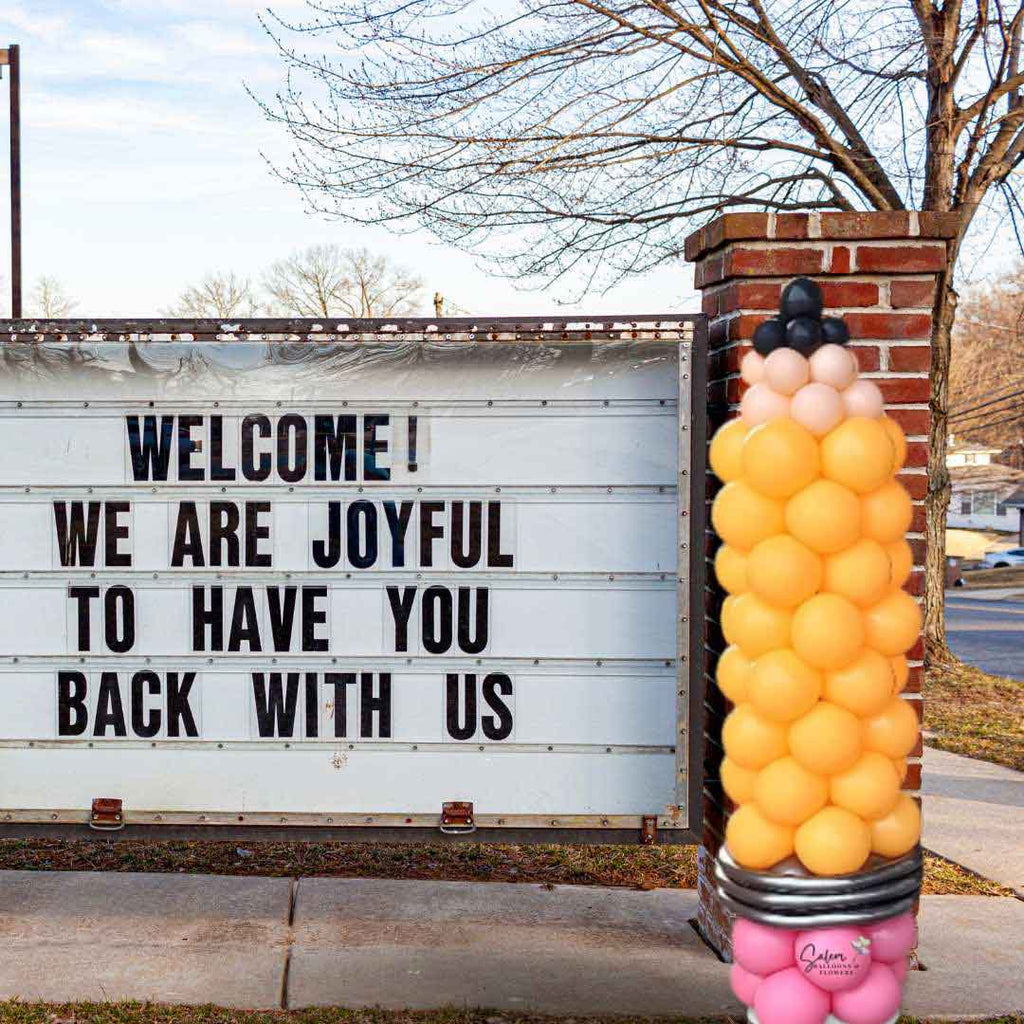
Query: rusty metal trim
457	817
107	814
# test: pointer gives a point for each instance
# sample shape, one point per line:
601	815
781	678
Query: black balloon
801	298
769	336
834	331
803	334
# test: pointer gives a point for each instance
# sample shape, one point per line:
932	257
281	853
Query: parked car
1004	559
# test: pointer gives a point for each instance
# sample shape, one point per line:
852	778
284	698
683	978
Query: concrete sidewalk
974	815
264	943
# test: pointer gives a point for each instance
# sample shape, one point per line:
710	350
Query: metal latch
649	830
107	815
457	817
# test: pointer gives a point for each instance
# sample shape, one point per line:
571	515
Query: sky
143	166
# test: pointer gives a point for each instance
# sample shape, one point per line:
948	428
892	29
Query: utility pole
11	58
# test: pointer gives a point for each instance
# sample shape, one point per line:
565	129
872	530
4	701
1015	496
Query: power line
998	397
972	413
995	423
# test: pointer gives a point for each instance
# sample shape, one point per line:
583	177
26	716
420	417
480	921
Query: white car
1003	559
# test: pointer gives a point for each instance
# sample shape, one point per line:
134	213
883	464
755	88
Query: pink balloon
817	407
899	968
873	1001
862	398
786	997
752	367
761	949
744	984
834	365
834	959
893	939
761	404
785	370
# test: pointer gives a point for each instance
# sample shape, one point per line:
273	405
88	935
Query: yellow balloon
787	793
864	687
755	842
825	516
893	625
737	782
782	687
783	571
901	766
893	731
733	673
731	569
862	573
724	453
898	441
901	561
755	625
780	458
885	514
742	517
899	831
828	631
827	740
750	740
857	454
900	673
869	789
833	842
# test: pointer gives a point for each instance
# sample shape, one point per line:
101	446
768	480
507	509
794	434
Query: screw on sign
814	559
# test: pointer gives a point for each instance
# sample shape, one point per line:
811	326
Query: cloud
117	115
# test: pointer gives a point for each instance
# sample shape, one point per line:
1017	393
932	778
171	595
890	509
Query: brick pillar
878	271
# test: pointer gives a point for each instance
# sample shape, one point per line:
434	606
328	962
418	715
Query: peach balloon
900	672
782	687
898	438
901	560
834	365
754	841
724	453
898	832
779	458
833	842
825	516
893	731
827	740
761	404
858	454
892	625
861	573
869	789
750	740
862	398
864	687
817	407
787	793
731	569
783	571
742	517
785	370
756	626
828	631
752	367
733	674
737	782
886	514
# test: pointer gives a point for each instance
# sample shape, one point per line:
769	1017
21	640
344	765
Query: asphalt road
989	634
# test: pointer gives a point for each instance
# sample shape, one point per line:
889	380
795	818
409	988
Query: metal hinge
649	830
107	814
457	817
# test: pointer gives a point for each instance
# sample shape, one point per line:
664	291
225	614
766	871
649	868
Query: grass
973	713
148	1013
635	867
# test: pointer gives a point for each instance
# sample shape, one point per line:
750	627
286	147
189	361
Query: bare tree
327	280
590	136
50	300
220	296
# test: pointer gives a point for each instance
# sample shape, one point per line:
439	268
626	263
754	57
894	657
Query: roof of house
1009	482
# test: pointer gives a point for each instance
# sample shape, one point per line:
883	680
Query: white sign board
336	584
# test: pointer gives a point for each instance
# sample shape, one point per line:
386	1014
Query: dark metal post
13	61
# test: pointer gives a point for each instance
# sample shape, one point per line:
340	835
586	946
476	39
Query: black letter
119	643
150	454
214	618
326	555
312	706
398	522
401	609
340	681
244	622
72	715
224	519
79	541
428	531
178	710
109	710
477	644
83	595
495	558
254	533
143	725
285	425
275	711
435	641
337	439
186	448
462	558
371	446
369	705
255	421
188	539
281	616
313	617
500	728
218	471
465	730
364	509
113	532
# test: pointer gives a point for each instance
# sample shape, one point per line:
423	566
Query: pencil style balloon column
821	863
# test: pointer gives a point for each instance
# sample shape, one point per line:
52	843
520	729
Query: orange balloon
828	631
787	793
885	514
861	573
901	561
900	673
737	782
893	731
782	570
899	831
833	842
742	517
724	453
750	740
780	458
869	789
755	625
901	766
893	625
755	842
864	687
731	569
825	516
733	673
898	440
827	740
857	454
782	687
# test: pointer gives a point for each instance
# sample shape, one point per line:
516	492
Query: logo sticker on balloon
834	959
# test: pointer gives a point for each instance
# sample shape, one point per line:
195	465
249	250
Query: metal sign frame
679	825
